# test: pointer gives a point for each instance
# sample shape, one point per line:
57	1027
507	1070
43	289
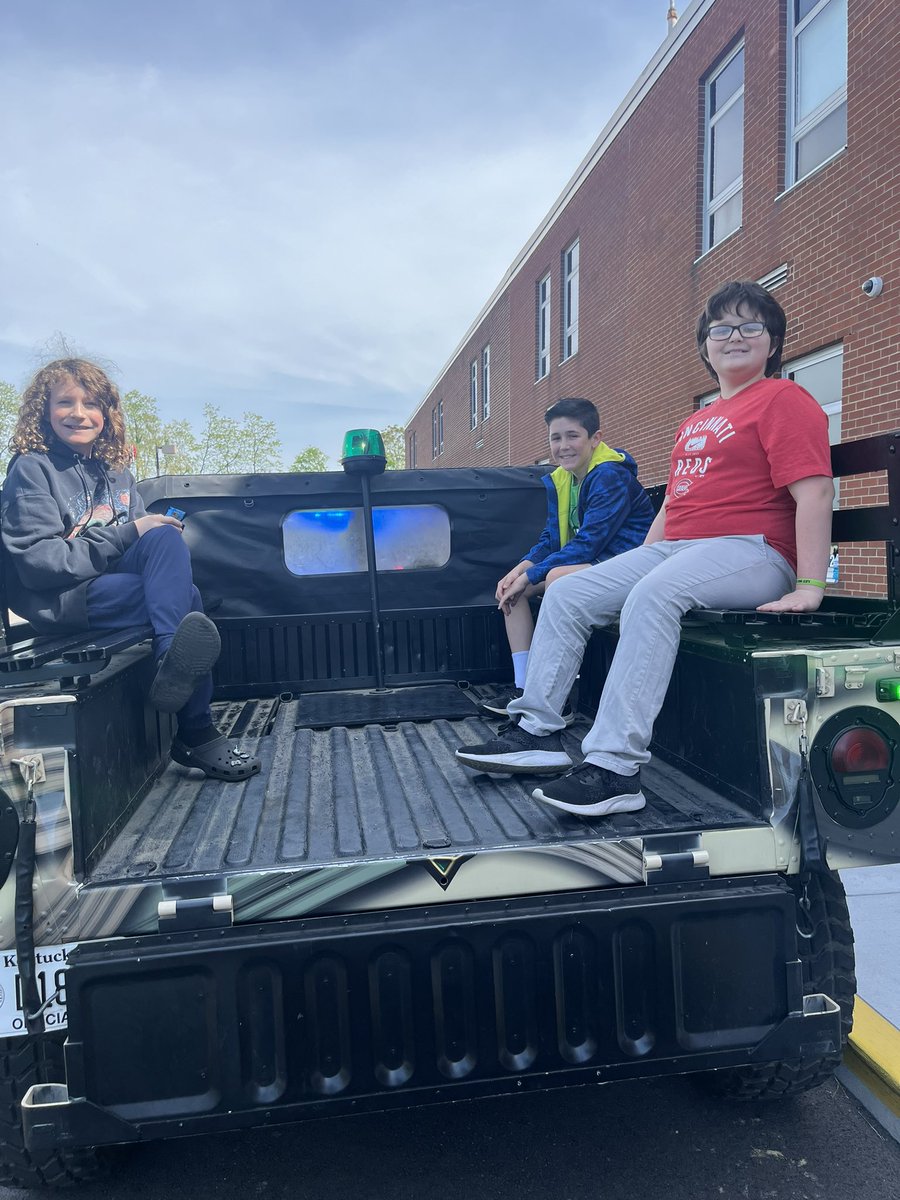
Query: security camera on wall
873	286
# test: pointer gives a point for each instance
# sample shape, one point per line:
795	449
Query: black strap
812	846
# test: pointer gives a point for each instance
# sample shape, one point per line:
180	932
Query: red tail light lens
860	750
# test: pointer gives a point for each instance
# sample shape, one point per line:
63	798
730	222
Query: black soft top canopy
234	529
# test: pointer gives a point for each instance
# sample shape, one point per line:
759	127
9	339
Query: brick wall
643	280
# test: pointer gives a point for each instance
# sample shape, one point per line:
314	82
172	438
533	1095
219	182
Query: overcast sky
288	206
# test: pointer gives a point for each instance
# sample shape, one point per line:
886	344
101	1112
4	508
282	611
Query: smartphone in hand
178	513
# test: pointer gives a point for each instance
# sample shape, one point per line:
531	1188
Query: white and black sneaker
498	707
516	752
593	791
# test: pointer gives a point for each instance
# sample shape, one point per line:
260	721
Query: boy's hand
508	597
509	579
802	599
151	520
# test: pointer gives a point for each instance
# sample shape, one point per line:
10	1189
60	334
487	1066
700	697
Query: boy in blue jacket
595	509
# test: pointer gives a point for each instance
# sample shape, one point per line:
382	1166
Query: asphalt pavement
666	1140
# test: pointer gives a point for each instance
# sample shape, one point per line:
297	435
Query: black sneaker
517	752
593	792
498	707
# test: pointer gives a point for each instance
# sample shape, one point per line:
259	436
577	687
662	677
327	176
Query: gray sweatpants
648	589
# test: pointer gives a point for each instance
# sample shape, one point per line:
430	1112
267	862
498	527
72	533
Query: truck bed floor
340	795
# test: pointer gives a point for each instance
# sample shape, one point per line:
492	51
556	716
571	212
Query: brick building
760	142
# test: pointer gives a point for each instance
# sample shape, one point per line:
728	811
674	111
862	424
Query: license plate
51	984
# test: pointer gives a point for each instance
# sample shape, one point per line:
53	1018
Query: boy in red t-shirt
746	523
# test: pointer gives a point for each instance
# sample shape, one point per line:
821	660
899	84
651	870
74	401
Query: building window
817	109
543	328
485	383
724	149
440	426
412	449
822	375
434	434
570	301
473	393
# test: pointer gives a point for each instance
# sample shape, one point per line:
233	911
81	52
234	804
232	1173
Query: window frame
440	423
796	131
434	438
473	394
412	449
570	288
486	382
835	350
543	315
712	205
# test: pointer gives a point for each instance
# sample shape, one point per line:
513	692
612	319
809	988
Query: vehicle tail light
860	750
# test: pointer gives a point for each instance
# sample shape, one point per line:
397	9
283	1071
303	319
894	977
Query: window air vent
775	278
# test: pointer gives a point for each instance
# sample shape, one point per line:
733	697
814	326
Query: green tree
309	460
181	435
260	444
143	430
227	446
394	446
219	448
9	412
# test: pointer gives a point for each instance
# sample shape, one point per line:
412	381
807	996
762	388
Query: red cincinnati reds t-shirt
732	463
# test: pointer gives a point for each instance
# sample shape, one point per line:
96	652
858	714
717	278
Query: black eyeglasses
748	329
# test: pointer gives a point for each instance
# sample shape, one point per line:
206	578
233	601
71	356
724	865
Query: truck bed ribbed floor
372	792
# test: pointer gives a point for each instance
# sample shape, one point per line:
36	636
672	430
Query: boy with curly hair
82	552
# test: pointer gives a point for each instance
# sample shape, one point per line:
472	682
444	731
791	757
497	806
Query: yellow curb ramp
871	1066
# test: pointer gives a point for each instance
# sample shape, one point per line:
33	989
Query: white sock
520	666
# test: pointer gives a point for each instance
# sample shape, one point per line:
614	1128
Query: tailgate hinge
674	860
195	912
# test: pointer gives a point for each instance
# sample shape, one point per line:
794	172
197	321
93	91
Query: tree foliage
394	446
260	444
9	411
223	445
147	432
310	459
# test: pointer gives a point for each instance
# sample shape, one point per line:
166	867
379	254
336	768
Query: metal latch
196	912
795	712
32	769
675	866
824	681
855	677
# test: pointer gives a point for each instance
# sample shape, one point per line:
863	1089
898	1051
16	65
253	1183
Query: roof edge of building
645	81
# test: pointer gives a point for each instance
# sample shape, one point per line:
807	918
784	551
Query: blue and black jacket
614	515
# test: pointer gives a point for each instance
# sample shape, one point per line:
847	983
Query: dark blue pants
151	584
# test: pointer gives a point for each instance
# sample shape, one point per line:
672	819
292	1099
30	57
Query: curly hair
32	431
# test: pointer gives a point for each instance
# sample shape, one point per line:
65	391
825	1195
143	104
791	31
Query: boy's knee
165	537
555	597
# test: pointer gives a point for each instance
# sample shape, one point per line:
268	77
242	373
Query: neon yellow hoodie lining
562	481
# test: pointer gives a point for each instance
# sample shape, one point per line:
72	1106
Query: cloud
286	216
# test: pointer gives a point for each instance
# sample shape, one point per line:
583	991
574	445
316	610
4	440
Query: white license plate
51	983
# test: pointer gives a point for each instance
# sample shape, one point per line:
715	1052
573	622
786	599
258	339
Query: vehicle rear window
332	541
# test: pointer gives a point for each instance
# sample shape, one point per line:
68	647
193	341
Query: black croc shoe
191	655
219	759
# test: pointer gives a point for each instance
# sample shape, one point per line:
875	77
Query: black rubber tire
829	967
24	1061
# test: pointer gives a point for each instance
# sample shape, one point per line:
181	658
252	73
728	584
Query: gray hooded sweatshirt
64	521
